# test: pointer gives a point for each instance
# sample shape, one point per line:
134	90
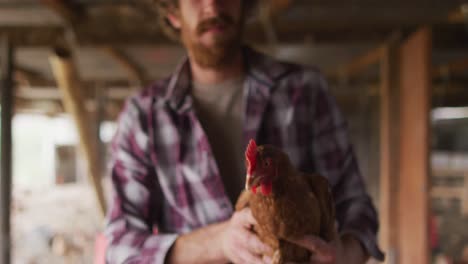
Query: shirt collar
260	68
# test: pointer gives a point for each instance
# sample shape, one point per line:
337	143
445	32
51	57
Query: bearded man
177	157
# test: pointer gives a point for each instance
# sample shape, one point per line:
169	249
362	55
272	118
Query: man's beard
226	45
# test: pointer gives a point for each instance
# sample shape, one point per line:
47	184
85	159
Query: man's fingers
250	258
267	260
322	259
254	244
247	217
311	243
322	252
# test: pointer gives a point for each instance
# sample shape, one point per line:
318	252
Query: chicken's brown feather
243	200
300	204
320	187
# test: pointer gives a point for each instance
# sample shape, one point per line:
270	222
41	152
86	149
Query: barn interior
398	70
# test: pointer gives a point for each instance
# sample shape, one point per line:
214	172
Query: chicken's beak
252	181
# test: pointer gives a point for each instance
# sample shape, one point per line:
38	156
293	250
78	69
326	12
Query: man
178	154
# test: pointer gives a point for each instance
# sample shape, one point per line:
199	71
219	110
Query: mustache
222	20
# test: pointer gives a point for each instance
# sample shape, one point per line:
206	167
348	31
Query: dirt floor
54	225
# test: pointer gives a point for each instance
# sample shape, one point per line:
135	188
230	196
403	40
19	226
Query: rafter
70	13
134	71
68	81
358	64
75	16
452	68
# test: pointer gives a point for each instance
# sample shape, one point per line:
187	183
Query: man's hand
239	243
322	252
229	241
344	249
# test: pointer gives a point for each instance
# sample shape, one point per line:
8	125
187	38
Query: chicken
286	203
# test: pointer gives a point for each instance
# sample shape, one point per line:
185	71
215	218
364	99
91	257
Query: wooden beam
41	106
389	128
267	12
94	34
27	77
70	13
358	64
277	7
460	15
449	192
459	193
75	16
55	107
453	68
415	90
465	197
134	71
353	13
447	37
52	93
27	15
98	35
37	36
68	82
6	87
43	83
321	21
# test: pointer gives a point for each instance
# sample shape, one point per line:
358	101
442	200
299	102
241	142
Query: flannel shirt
165	178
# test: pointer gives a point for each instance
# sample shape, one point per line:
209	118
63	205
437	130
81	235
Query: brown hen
286	203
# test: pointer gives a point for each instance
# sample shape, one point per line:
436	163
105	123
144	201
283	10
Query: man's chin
214	54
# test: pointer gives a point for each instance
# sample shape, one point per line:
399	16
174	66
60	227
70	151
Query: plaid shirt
166	181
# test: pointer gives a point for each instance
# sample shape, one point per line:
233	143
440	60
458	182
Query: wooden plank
64	9
456	67
386	198
38	36
28	16
69	83
52	93
6	83
448	192
389	116
415	91
459	15
75	16
276	7
97	35
360	63
134	71
447	173
465	197
458	192
369	13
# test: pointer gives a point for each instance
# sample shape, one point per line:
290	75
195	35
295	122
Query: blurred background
398	69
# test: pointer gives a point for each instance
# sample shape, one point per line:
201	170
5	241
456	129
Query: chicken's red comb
251	156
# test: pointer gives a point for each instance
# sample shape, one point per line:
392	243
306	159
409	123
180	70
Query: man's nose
213	7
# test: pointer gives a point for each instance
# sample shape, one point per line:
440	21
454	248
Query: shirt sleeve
131	216
334	157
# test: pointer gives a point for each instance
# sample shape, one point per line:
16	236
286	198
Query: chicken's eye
267	162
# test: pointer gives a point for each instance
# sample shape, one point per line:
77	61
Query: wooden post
68	82
415	92
6	86
389	152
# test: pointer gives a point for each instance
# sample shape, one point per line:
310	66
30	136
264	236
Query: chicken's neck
285	179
